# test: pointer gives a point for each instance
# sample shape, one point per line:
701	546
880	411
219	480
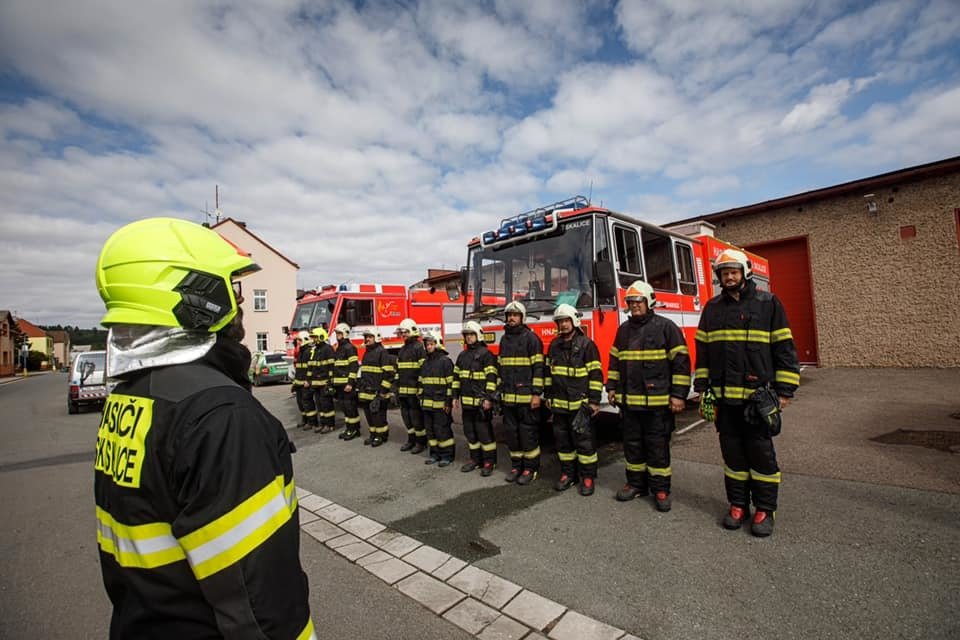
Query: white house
269	295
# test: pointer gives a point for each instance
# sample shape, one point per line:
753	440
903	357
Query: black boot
629	492
565	482
406	446
470	466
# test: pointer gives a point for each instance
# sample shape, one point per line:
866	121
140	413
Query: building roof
59	335
31	330
862	186
243	226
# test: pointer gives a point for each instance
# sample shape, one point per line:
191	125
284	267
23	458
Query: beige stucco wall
277	276
880	300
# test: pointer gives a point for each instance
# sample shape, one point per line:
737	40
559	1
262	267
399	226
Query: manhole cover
941	440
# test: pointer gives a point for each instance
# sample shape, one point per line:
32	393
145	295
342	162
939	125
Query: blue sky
372	140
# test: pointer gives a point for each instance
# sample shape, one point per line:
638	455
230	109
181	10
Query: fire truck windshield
540	271
311	314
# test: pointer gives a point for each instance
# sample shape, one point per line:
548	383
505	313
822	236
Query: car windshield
541	272
311	314
273	358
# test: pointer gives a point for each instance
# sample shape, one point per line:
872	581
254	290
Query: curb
479	602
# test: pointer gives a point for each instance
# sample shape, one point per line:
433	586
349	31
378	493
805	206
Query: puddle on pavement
948	441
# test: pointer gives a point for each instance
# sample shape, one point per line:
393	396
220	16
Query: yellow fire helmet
640	290
170	273
319	332
733	259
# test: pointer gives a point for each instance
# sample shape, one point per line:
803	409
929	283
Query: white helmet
409	326
373	332
472	326
430	336
567	311
640	290
303	335
516	307
733	259
343	328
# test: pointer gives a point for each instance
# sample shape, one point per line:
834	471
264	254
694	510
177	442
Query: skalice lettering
121	439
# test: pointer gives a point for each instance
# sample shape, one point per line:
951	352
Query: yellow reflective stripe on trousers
473	445
233	535
567	457
591	459
489	446
443	444
762	477
666	472
788	377
741	476
142	546
637	467
533	453
308	633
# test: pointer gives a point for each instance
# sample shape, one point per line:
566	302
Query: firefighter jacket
345	364
197	522
320	365
745	344
649	362
475	375
301	368
376	372
574	373
436	381
409	360
521	365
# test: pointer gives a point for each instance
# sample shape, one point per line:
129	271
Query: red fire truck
381	306
576	253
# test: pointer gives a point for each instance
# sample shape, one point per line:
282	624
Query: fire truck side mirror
464	283
453	290
605	278
285	330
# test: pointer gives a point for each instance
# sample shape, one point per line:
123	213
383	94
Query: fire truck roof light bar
535	221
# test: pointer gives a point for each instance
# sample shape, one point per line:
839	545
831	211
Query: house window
259	299
261	341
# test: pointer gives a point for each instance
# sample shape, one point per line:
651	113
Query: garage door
790	280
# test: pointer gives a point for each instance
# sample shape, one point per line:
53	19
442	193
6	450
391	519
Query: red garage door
790	279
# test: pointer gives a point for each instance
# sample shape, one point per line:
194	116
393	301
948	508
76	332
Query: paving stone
356	550
427	558
430	592
504	628
301	493
313	502
306	516
346	538
535	636
401	545
384	537
576	626
630	637
449	568
322	530
335	513
471	616
485	586
362	527
390	570
376	556
534	610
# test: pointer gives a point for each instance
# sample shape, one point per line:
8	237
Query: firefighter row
746	372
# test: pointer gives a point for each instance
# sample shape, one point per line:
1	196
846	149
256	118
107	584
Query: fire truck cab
576	253
381	306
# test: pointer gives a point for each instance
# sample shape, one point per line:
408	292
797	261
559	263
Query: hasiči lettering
121	438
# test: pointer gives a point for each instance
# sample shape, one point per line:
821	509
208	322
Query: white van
88	385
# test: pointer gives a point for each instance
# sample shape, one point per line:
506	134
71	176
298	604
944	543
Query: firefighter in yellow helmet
346	365
409	360
521	385
574	385
436	395
747	360
321	380
649	379
186	457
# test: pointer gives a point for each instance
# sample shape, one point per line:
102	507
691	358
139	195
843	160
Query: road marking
690	426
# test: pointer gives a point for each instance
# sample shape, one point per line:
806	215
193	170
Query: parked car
87	384
269	367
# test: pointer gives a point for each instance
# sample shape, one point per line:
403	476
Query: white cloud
708	185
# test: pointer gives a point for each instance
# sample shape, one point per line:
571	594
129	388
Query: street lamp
24	352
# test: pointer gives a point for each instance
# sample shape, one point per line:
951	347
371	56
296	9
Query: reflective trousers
439	430
646	447
478	430
324	404
749	460
412	416
308	408
377	420
348	404
577	452
522	433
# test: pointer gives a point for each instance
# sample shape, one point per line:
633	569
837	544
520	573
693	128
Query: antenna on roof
590	194
216	206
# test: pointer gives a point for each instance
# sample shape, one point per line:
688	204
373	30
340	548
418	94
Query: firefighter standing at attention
521	385
321	380
187	458
345	368
474	385
376	380
409	360
301	382
574	385
648	378
436	395
745	353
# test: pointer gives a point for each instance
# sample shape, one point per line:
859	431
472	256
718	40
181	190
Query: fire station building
869	270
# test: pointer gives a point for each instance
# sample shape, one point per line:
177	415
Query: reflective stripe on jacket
475	374
574	373
520	364
649	363
436	381
376	372
345	364
409	360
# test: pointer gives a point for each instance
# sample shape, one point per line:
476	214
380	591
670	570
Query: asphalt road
867	542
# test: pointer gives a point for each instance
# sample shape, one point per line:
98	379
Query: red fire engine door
791	281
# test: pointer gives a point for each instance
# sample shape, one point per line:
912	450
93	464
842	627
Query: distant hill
96	338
